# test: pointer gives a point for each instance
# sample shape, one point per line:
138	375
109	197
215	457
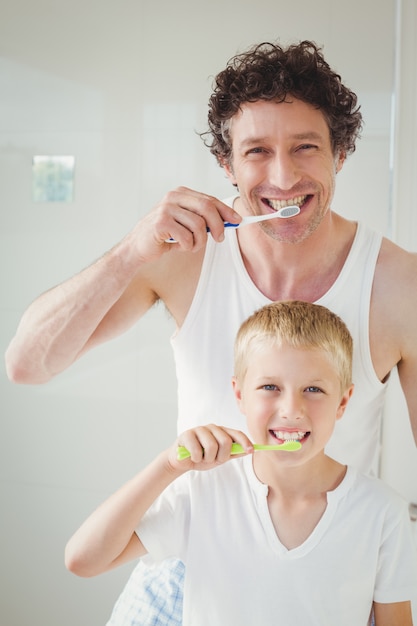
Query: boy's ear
344	401
237	391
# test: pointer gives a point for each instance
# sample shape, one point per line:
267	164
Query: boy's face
282	151
291	393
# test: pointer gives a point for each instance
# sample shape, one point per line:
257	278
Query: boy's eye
313	389
269	387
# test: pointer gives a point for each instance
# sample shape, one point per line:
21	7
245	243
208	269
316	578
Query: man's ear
229	171
340	161
344	402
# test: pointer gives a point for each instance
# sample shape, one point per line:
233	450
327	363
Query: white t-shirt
238	572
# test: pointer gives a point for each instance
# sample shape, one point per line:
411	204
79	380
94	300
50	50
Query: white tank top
226	295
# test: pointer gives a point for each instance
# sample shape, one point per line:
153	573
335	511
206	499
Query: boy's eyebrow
318	380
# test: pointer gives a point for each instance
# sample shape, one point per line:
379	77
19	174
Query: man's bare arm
407	371
108	297
405	324
393	328
94	306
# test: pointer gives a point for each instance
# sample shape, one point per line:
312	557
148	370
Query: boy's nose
291	407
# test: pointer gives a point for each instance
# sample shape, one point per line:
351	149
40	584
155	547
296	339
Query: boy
275	536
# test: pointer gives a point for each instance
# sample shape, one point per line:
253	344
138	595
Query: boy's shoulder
234	476
373	490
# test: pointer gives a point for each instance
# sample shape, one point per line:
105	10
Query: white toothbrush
284	212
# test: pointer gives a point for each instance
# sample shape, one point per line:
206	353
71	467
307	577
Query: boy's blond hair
299	325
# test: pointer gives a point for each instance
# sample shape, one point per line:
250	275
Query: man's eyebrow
304	136
251	141
310	135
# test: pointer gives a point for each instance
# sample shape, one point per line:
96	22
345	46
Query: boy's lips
289	435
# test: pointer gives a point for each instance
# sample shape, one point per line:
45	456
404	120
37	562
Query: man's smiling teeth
287	436
279	204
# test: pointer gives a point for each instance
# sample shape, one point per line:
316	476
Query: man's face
282	154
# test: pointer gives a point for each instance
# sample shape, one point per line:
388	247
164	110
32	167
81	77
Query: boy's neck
320	475
297	497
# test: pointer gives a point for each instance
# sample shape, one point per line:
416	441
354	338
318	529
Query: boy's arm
393	614
107	538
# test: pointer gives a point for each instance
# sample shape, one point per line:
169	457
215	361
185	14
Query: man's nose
283	171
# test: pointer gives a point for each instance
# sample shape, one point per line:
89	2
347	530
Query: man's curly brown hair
269	72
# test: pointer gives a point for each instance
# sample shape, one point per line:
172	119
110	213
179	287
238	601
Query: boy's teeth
286	436
279	204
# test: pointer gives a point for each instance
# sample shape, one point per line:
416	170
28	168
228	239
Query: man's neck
300	271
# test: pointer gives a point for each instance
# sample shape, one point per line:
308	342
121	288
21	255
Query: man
281	125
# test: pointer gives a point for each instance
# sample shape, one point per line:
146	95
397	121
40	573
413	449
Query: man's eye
307	146
256	150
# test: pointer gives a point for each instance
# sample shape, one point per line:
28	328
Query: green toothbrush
290	446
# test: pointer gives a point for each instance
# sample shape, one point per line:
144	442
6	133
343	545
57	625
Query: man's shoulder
395	265
174	279
394	298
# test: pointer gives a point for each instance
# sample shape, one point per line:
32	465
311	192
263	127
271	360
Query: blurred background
114	93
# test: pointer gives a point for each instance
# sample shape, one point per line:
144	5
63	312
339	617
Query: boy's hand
209	446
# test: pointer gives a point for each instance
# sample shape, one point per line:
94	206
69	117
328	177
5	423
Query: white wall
123	86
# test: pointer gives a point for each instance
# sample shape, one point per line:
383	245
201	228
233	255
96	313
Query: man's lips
276	204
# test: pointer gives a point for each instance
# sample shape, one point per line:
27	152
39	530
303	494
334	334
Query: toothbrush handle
183	453
289	446
226	225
